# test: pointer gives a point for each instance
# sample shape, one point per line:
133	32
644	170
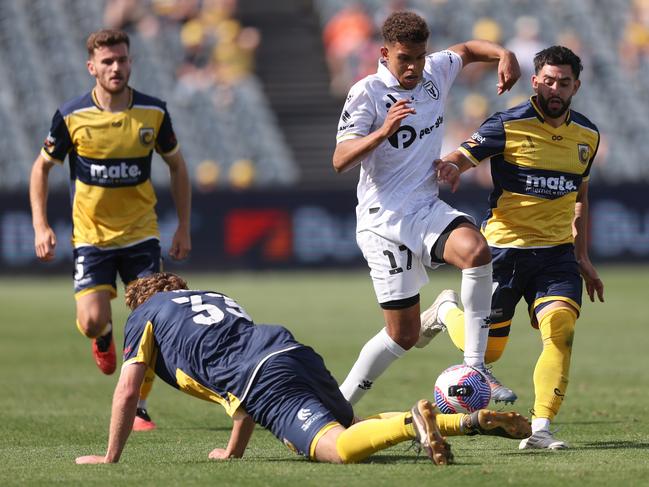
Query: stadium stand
255	95
42	54
612	37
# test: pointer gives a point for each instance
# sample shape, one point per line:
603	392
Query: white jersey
397	177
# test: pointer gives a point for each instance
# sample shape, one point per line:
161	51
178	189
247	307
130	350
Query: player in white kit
392	125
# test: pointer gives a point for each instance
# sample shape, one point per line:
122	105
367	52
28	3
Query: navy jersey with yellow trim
202	343
537	170
113	201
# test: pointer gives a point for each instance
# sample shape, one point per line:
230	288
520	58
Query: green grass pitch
54	403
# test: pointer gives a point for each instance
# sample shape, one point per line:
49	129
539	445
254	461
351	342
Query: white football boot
431	324
542	439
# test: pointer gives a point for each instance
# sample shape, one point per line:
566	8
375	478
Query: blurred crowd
217	49
634	46
218	54
352	39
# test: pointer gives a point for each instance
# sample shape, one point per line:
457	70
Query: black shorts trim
437	252
500	332
401	303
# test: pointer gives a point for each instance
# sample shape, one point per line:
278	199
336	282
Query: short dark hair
405	27
106	37
556	56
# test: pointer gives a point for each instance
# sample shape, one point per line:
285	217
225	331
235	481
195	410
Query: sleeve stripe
473	160
171	152
49	158
349	136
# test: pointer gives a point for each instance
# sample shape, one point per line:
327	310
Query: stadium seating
42	60
610	94
42	57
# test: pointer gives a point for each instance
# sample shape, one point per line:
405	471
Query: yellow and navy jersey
202	343
113	201
537	170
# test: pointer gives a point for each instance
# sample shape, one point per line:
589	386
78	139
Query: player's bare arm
242	429
484	51
181	243
450	167
127	393
594	285
349	152
44	237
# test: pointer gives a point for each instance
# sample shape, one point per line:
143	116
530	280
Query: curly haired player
205	344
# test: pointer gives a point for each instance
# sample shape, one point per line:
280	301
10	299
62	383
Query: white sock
375	357
107	329
476	299
141	404
539	424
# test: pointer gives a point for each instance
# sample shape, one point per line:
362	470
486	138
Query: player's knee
479	254
406	339
91	326
473	252
329	448
403	328
336	459
558	325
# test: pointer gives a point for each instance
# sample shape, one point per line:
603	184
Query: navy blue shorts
295	397
539	275
96	269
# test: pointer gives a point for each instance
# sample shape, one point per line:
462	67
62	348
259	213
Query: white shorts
398	251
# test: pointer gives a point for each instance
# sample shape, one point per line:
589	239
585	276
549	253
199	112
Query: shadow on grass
390	459
616	445
597	445
200	428
377	459
592	422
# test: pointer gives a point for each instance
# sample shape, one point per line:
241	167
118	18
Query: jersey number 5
209	314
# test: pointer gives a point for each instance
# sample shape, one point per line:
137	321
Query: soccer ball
461	389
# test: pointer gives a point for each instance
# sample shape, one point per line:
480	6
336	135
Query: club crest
584	153
146	135
431	89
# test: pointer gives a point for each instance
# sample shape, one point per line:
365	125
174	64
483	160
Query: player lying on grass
205	344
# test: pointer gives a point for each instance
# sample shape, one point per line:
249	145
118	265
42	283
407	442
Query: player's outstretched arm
348	153
594	285
127	393
44	237
242	430
181	243
484	51
450	167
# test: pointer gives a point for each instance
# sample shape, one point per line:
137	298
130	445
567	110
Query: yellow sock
450	424
498	338
551	373
454	321
498	334
371	435
145	388
386	415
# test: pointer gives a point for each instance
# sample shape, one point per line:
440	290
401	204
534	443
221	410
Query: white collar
388	78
